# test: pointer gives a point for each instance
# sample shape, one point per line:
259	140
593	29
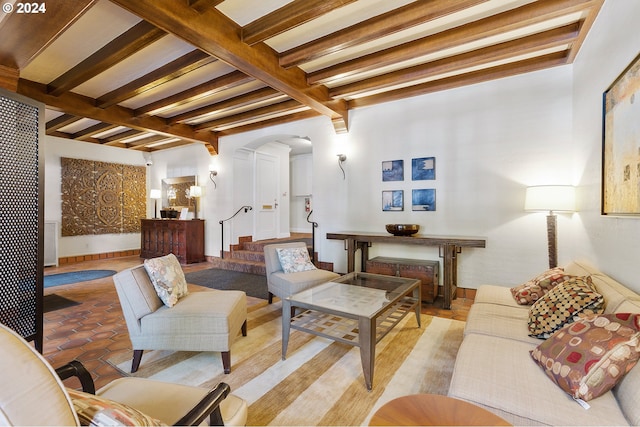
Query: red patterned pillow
564	304
531	291
589	357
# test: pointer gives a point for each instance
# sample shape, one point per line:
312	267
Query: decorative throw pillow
168	278
531	291
589	357
294	260
96	411
564	304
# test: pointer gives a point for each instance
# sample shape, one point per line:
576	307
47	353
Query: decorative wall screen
21	219
102	198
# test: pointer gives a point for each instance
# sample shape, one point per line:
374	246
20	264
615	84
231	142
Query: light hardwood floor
95	330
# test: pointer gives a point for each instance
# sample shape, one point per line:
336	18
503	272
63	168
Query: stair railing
222	221
314	225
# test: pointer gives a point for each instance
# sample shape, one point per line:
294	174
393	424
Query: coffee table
433	410
357	309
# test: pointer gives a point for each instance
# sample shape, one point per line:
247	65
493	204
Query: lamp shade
195	191
550	198
155	194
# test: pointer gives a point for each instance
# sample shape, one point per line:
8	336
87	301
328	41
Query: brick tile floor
95	330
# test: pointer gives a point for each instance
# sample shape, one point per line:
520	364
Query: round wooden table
433	410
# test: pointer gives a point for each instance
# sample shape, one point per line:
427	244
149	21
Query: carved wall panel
101	198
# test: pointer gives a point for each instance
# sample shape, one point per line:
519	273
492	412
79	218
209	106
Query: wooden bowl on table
403	229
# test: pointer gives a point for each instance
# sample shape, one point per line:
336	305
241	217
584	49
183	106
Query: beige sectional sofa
494	370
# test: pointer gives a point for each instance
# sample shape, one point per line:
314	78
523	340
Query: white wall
610	243
54	149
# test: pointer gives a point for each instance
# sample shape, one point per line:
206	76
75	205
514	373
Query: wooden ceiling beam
557	37
258	114
84	106
202	5
91	131
214	33
239	101
372	29
227	81
530	14
302	115
584	29
287	17
507	70
174	69
120	48
120	136
9	78
60	122
24	36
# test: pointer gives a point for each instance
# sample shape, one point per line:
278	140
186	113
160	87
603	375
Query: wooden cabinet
183	238
426	271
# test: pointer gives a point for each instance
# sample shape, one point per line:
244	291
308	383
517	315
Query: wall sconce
212	174
558	198
195	191
155	194
341	159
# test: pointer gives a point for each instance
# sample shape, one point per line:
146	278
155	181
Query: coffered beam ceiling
149	75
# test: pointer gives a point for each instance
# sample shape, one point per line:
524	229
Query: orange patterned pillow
589	357
531	291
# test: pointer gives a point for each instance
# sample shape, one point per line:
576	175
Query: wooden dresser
183	238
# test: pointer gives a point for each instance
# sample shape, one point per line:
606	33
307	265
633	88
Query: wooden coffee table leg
367	341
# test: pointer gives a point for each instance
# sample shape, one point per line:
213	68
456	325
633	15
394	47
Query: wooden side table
433	410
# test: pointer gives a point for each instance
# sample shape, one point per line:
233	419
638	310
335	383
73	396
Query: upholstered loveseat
495	370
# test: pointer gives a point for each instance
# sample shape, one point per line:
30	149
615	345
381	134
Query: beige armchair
283	284
33	393
201	321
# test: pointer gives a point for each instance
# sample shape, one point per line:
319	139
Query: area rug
75	277
321	381
54	302
252	284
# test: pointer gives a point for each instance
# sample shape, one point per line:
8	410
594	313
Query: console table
449	248
183	238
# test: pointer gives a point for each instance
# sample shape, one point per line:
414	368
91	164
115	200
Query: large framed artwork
621	144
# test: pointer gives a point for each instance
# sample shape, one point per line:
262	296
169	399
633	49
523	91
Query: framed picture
393	170
423	168
423	200
393	200
620	145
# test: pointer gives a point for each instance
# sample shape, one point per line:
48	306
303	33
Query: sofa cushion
590	356
93	410
294	260
167	277
498	373
500	321
529	292
564	304
496	295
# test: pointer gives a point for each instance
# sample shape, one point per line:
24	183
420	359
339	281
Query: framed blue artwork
423	200
393	200
423	168
393	170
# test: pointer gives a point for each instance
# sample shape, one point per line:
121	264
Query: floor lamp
551	198
155	195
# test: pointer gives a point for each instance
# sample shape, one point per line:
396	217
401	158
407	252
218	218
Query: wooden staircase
248	256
